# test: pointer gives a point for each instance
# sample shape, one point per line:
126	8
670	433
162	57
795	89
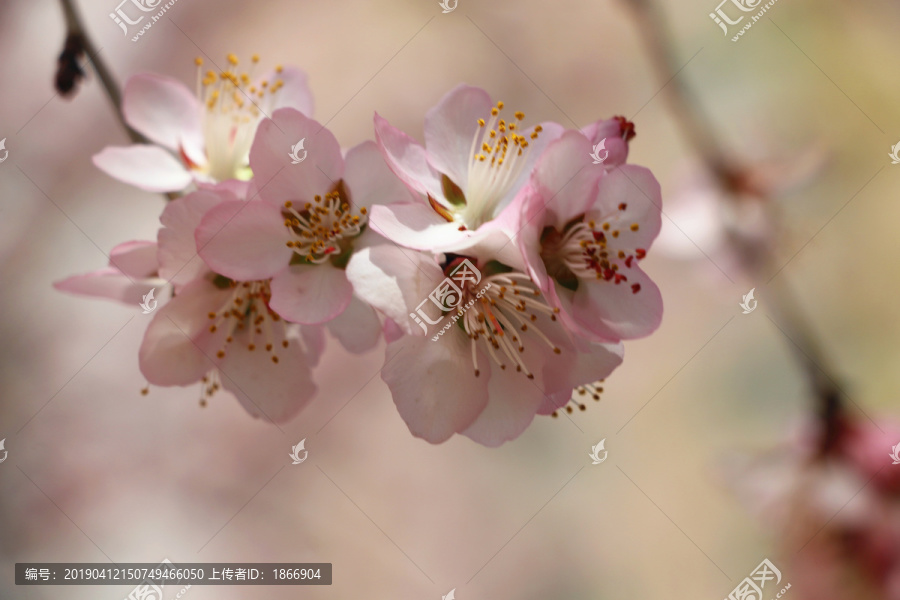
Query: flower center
586	250
321	229
234	105
506	306
497	158
246	313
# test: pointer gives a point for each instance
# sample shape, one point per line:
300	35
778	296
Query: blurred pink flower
472	166
585	229
202	138
837	514
733	227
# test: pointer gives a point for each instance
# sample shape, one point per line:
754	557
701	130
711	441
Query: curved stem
730	176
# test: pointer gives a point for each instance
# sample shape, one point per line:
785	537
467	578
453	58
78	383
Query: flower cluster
499	260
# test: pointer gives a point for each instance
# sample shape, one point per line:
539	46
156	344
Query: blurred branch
77	40
69	73
733	178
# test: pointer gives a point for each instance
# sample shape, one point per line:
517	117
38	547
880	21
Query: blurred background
97	472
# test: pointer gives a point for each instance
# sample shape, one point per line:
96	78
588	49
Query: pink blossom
484	371
836	513
309	218
203	137
222	332
474	163
584	231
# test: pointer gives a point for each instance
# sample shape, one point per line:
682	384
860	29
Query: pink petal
177	345
514	402
392	331
357	328
394	282
565	179
594	362
244	240
551	132
637	188
239	189
616	312
450	127
148	167
277	392
310	294
313	337
591	363
407	159
275	178
294	92
369	179
136	260
434	386
494	240
528	238
415	226
179	262
107	283
164	110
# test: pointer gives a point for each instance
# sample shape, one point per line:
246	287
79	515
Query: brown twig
77	39
76	32
731	175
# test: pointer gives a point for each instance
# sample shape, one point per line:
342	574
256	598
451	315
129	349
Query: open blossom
203	137
221	332
474	163
584	231
309	219
504	358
